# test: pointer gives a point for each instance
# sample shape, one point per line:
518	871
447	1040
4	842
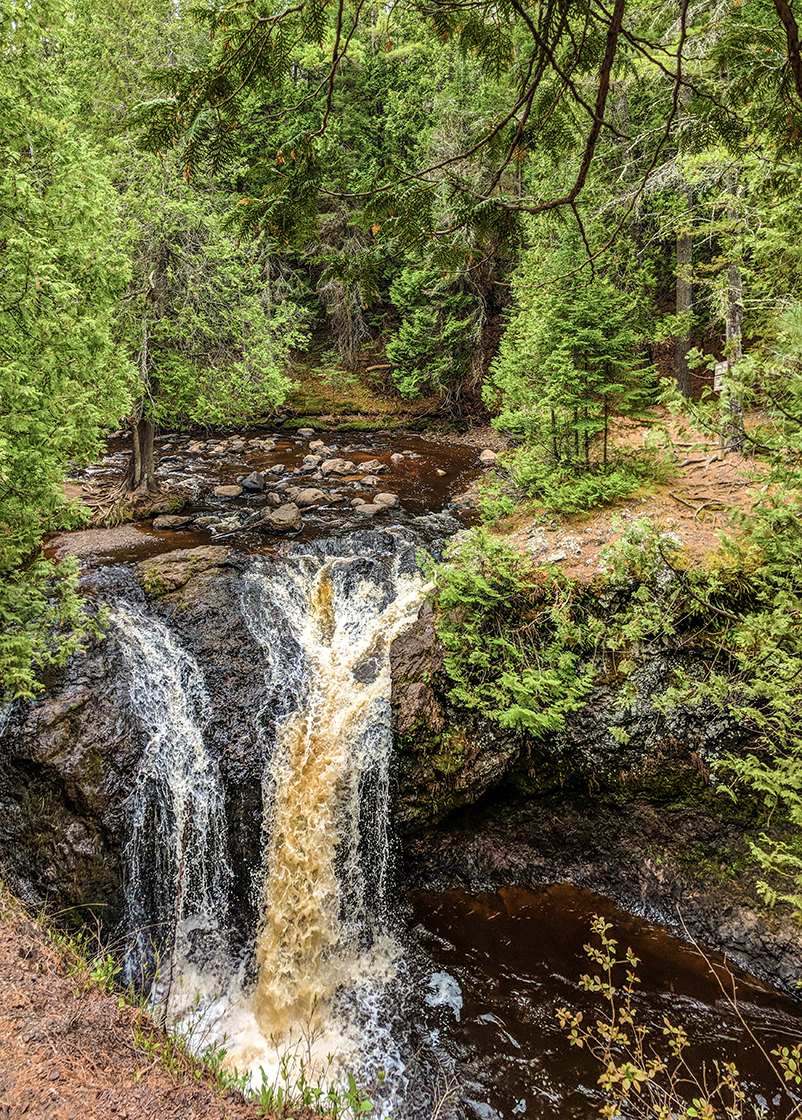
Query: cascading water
327	847
325	620
176	866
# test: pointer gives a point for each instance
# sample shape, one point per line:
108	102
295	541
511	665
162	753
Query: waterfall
175	861
327	851
325	954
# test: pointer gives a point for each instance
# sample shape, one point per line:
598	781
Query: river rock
396	457
311	496
311	461
254	481
172	520
286	519
369	480
306	433
374	466
337	466
368	509
172	570
387	499
228	491
277	468
316	445
274	499
488	456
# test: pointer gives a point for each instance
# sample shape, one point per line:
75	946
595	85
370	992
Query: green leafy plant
512	635
649	1074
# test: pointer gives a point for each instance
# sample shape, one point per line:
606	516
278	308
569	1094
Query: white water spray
176	863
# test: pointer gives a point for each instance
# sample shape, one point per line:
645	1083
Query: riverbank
72	1048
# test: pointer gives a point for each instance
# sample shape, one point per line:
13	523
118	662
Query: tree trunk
139	479
682	344
734	324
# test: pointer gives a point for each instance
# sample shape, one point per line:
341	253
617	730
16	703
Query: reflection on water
501	964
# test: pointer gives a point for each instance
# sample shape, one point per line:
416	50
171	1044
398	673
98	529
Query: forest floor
704	494
69	1048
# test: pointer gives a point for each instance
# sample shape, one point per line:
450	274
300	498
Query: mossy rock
162	574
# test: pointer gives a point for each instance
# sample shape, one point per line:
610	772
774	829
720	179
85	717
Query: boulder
172	570
228	491
286	519
488	456
390	501
311	496
254	481
337	466
170	503
172	521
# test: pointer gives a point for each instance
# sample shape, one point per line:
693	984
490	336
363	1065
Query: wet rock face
446	758
65	768
68	759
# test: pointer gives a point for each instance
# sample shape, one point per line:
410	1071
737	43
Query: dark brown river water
501	965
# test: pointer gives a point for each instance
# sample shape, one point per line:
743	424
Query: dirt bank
70	1049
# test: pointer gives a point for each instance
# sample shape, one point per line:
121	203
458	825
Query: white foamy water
175	862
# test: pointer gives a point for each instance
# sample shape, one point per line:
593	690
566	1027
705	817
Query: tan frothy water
318	931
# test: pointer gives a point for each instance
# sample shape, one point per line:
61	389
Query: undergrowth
648	1073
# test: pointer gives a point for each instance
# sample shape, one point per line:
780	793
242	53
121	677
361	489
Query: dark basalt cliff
68	758
448	758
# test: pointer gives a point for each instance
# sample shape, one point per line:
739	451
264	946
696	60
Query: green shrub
512	635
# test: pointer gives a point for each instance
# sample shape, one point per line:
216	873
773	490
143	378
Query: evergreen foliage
61	377
512	635
436	338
